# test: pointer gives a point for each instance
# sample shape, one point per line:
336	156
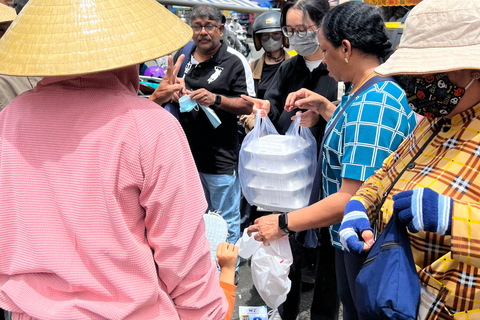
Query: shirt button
411	165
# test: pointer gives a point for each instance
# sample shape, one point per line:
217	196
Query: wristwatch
218	100
283	223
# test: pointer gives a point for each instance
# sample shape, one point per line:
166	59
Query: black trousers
325	303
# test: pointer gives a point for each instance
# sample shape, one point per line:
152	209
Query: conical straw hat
68	37
7	13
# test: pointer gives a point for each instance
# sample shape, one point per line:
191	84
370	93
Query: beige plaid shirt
449	165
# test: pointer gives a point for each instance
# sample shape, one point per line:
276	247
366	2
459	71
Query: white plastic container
276	171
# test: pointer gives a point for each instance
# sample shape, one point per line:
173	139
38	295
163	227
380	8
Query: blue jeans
223	194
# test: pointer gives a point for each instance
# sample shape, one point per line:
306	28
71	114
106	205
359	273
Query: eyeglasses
209	28
275	36
301	31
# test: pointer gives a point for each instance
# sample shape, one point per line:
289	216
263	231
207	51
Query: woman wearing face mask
300	20
365	129
267	34
436	195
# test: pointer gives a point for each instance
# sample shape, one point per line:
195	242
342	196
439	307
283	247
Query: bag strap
317	181
186	50
439	124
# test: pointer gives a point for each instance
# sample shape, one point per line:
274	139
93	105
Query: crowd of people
103	192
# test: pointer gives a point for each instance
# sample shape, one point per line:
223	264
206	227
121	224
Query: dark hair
224	19
206	11
315	9
362	25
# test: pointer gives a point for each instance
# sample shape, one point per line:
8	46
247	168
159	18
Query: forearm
227	275
237	106
328	111
159	98
326	212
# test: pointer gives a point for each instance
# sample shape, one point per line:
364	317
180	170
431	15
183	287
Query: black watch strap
218	100
283	223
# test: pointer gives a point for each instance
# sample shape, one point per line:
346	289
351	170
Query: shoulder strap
186	50
315	195
360	90
376	224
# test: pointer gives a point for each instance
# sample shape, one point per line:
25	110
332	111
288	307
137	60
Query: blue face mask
212	116
186	105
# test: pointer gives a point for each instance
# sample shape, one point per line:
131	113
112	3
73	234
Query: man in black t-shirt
215	76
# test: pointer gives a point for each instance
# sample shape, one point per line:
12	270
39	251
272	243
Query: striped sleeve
244	82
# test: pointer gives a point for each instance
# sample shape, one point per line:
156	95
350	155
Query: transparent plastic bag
276	171
270	267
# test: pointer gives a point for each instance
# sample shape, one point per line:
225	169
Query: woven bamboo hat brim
69	37
7	13
439	36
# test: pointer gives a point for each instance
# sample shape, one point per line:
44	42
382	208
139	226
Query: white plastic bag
270	267
276	171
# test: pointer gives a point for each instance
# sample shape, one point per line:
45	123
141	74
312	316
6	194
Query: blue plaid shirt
370	129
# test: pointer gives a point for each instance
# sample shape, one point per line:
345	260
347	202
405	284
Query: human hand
424	209
305	99
227	255
355	220
308	119
170	83
267	229
203	97
258	104
180	93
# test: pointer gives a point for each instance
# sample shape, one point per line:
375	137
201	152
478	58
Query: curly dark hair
362	25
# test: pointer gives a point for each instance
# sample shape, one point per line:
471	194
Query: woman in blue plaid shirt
354	43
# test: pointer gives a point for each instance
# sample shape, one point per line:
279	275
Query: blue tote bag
387	286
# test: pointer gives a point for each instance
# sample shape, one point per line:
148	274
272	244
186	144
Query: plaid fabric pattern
449	165
369	130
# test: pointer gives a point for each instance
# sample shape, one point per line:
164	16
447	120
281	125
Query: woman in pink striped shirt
101	203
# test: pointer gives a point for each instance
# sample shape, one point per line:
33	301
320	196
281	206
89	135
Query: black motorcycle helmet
267	22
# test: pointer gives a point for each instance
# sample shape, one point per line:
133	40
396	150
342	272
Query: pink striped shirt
101	207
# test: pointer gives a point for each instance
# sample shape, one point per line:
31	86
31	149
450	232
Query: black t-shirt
268	72
227	73
293	75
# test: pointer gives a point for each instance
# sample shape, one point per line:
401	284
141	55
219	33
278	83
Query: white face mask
307	45
271	45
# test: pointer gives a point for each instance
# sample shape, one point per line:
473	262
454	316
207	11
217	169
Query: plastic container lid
277	146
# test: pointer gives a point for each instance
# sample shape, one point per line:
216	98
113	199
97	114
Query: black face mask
433	96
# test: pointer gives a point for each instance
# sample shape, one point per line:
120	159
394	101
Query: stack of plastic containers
277	171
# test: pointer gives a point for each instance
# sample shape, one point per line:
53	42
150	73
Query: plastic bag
276	171
270	267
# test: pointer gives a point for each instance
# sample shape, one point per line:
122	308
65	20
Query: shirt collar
466	116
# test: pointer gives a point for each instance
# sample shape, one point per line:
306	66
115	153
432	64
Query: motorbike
241	35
